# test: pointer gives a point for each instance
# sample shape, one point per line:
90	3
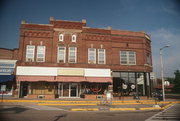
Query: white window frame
92	53
99	56
75	55
61	37
148	59
41	52
73	38
30	51
64	54
127	57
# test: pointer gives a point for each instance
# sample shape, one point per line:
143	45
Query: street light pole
162	71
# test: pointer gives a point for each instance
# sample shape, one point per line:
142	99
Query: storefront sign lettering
6	70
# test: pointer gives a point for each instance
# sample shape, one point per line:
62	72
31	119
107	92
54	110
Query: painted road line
64	104
84	109
122	109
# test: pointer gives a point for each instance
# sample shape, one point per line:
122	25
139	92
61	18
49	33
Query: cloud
171	56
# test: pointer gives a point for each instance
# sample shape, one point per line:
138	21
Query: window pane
92	55
101	56
61	54
72	54
30	53
40	53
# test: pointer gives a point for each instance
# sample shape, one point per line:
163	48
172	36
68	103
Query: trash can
160	97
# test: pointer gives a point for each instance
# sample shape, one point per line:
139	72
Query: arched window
73	38
61	37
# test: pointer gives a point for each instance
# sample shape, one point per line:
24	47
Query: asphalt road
22	113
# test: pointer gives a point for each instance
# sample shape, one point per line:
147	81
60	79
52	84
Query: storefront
7	78
131	84
52	82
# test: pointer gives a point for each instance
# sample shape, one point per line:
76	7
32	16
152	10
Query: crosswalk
170	114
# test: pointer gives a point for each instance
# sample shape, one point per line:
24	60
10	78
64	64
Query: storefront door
68	90
24	89
74	90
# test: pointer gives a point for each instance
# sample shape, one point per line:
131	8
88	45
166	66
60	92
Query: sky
159	18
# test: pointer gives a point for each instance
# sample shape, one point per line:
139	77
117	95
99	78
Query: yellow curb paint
125	103
167	106
151	108
63	104
78	109
85	109
121	109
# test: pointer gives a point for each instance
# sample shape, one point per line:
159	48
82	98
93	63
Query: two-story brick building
67	59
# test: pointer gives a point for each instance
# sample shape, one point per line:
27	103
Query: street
22	113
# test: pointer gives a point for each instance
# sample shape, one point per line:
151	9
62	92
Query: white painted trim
64	54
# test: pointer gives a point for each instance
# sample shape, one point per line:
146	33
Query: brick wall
111	40
8	54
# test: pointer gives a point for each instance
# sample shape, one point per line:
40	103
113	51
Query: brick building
8	59
68	59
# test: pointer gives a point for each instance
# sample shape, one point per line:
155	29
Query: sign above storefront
7	67
71	72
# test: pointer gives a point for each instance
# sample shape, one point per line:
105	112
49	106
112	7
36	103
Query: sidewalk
79	104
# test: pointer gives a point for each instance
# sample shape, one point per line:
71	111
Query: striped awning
64	79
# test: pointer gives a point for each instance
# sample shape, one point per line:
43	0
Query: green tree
176	88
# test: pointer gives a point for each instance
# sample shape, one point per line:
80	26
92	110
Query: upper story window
148	59
73	38
61	37
40	54
101	56
128	58
30	53
61	54
91	55
72	54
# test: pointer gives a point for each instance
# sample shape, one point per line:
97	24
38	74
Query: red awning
35	78
99	79
64	79
70	79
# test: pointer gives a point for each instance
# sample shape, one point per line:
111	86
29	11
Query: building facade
67	59
8	59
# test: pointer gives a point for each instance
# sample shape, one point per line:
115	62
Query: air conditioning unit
40	59
91	62
61	61
40	96
29	60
